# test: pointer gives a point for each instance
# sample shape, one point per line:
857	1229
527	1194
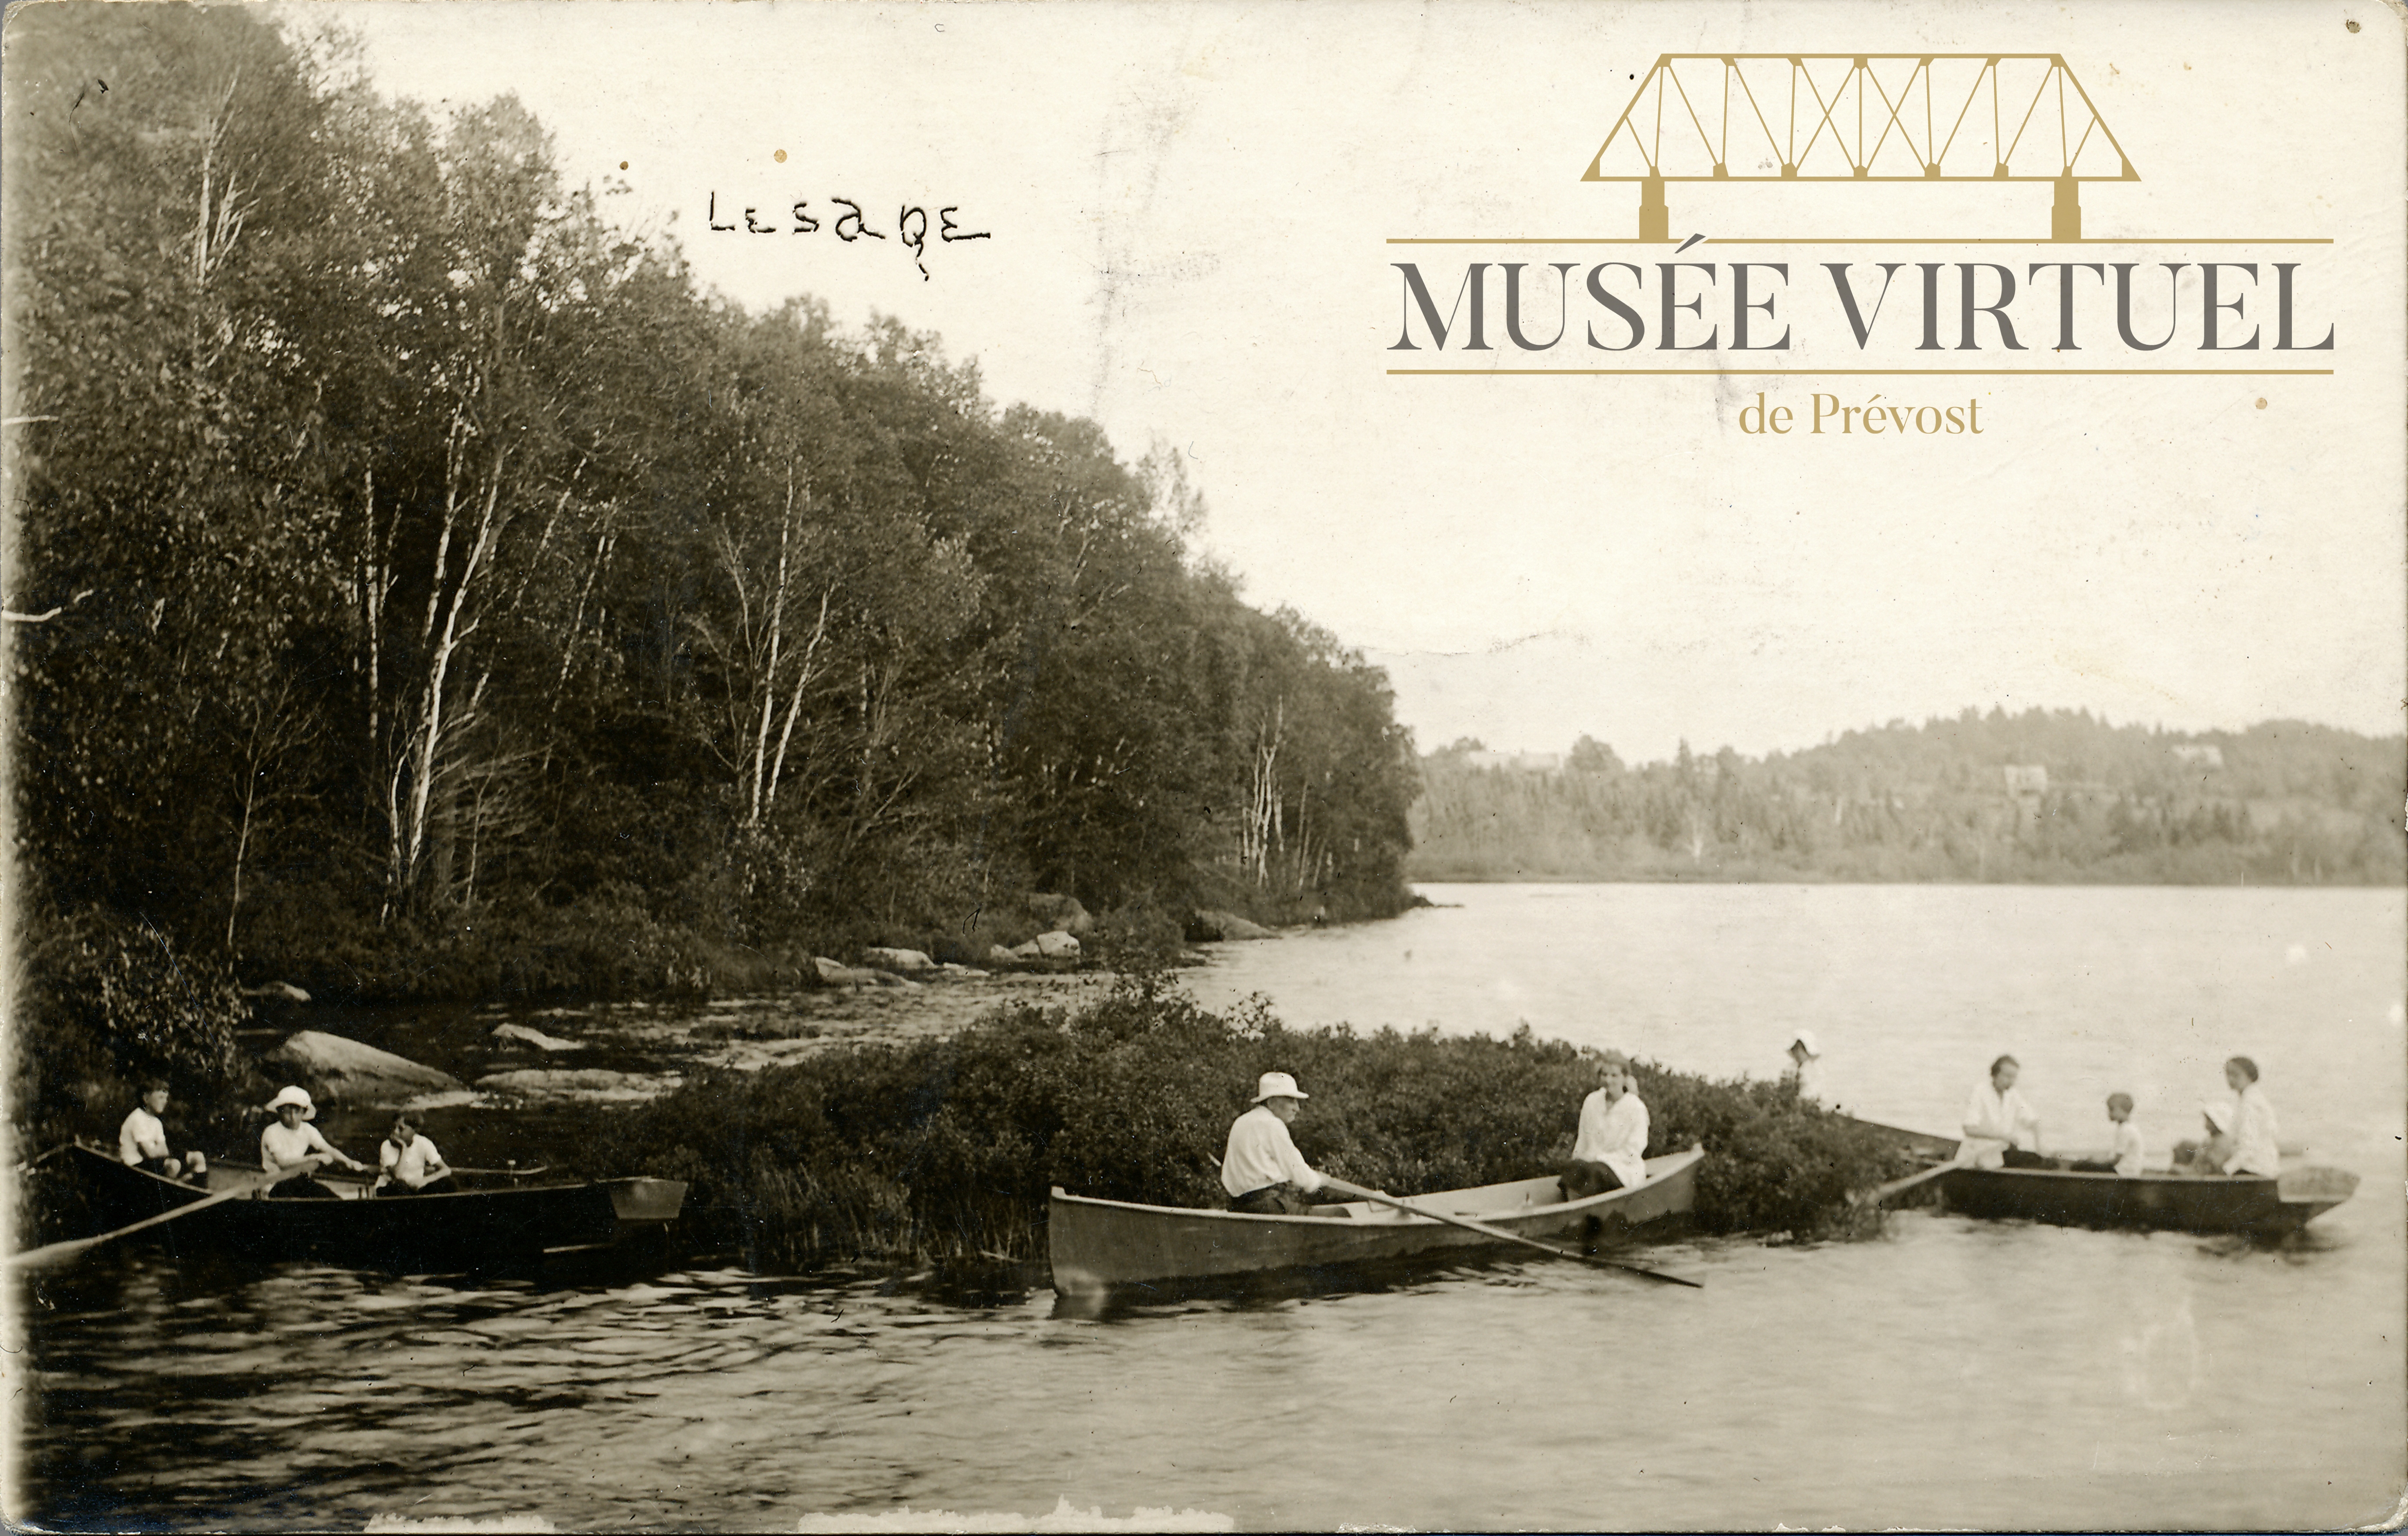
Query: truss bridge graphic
1860	117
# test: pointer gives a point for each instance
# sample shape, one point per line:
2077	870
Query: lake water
1952	1372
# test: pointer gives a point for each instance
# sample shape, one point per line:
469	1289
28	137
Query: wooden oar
56	1253
1500	1234
1880	1193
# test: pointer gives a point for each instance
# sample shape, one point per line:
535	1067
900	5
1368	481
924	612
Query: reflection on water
1952	1373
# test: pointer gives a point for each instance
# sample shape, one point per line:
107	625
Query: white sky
1189	205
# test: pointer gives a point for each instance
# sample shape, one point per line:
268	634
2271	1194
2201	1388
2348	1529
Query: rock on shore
334	1067
1211	927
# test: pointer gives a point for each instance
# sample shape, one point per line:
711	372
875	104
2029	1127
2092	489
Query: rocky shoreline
509	1057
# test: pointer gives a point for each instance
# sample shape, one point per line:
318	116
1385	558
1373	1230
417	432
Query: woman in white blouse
2252	1130
2000	1129
290	1144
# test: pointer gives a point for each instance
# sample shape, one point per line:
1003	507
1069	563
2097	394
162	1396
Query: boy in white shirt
2126	1157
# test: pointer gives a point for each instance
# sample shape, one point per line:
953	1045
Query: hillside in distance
2046	795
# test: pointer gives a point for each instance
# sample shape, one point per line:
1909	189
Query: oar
1500	1234
56	1253
1880	1193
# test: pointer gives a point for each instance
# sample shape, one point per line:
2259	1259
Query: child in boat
408	1164
289	1143
2128	1154
142	1139
2210	1154
1611	1152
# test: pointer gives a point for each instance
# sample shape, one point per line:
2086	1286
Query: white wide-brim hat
1806	1038
294	1096
2218	1116
1277	1085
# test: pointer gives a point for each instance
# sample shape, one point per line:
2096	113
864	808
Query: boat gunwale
1680	1162
2169	1177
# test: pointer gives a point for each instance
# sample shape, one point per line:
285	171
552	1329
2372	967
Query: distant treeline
2048	796
419	586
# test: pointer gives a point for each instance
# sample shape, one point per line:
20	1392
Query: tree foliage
402	548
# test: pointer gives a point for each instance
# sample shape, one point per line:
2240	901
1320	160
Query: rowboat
2188	1202
1097	1243
489	1218
2245	1203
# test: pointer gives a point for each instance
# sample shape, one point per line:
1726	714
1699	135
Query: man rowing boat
1263	1172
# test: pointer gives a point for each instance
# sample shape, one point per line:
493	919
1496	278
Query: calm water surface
1953	1372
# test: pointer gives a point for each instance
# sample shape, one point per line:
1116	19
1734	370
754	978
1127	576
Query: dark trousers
2018	1158
1582	1178
1273	1199
432	1187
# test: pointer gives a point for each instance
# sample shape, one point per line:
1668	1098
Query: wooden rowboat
490	1218
2184	1202
1097	1243
2245	1203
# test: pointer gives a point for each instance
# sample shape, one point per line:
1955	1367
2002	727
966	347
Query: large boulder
1211	926
1057	945
879	958
588	1086
528	1035
834	973
334	1067
280	992
999	956
1059	913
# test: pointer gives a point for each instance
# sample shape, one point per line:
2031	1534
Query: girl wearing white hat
290	1144
1263	1172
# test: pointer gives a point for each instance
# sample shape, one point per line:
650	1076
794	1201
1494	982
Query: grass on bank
946	1149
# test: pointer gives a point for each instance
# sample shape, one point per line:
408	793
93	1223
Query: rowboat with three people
2249	1204
487	1217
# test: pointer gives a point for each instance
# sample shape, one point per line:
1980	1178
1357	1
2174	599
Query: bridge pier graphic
1864	117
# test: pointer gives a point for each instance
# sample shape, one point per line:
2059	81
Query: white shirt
2128	1153
1614	1135
141	1138
1261	1154
1993	1121
2253	1136
410	1164
281	1149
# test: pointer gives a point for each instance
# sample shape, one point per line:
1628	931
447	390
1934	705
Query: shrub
948	1147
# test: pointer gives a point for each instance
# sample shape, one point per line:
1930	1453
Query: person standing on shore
1611	1151
1806	1060
1260	1169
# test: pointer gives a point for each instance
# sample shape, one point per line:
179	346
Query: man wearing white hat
1263	1172
290	1144
1806	1058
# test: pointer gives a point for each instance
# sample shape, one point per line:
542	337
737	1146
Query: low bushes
944	1148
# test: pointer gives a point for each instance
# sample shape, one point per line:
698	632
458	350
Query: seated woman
2253	1123
410	1164
290	1144
1611	1152
2000	1129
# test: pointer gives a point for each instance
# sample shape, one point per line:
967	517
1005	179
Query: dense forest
2051	796
419	586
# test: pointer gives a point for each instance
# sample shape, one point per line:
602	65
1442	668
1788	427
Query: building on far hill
2203	755
2026	778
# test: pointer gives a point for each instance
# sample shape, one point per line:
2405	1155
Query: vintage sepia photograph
1079	765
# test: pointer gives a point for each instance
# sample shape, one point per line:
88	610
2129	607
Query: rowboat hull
1095	1245
471	1226
2258	1207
